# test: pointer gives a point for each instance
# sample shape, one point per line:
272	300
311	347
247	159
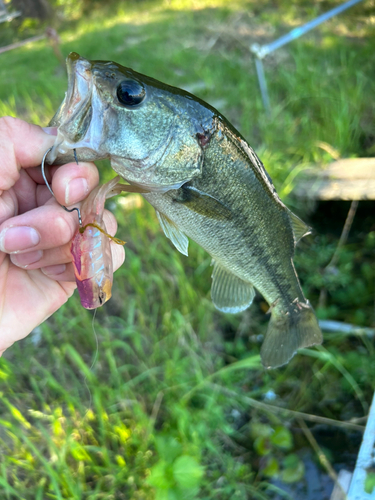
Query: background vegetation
174	404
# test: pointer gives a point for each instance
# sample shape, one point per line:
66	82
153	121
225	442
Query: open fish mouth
74	118
100	117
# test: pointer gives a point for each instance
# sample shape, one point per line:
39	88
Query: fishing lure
90	247
91	251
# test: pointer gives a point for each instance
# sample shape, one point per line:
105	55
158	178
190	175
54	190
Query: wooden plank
348	179
350	168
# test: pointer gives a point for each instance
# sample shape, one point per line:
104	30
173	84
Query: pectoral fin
126	188
171	231
202	203
229	293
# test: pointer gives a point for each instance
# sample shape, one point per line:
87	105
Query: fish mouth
90	128
74	118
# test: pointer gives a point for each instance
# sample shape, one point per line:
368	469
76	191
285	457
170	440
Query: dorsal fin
300	229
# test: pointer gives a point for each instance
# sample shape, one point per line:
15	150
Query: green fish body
204	181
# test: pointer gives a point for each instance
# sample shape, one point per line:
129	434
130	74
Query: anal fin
229	293
171	231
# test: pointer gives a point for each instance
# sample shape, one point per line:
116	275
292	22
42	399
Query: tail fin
289	331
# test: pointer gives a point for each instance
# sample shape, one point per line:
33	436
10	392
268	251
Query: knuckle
8	206
65	228
8	124
11	127
9	166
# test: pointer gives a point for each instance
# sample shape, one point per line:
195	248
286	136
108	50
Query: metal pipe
365	460
263	85
262	50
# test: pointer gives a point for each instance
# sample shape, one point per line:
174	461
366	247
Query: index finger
22	145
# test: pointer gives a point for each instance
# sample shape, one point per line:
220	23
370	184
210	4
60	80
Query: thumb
22	145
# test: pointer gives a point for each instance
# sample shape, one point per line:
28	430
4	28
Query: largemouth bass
204	181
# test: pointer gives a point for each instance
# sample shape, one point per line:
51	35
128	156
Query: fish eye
130	93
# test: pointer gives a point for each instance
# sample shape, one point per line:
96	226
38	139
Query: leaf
158	476
187	472
370	482
170	494
3	376
250	363
185	494
17	414
168	448
272	467
79	453
282	438
262	446
294	469
161	495
260	430
8	488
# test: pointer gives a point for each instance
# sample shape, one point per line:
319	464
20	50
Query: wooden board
349	179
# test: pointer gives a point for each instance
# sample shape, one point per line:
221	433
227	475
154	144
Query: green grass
172	406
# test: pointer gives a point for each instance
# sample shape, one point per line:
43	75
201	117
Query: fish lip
75	110
70	66
79	88
77	66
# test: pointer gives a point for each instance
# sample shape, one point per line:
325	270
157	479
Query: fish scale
241	244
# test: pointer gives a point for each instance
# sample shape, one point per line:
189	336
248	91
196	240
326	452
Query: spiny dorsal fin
171	231
300	229
229	293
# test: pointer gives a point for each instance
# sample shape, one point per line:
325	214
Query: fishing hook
75	155
50	189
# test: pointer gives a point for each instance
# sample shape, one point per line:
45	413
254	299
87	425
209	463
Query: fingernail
54	270
25	259
76	190
50	130
16	238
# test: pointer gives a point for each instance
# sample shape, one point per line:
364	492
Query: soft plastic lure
90	249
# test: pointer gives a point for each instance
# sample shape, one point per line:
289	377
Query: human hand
36	272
